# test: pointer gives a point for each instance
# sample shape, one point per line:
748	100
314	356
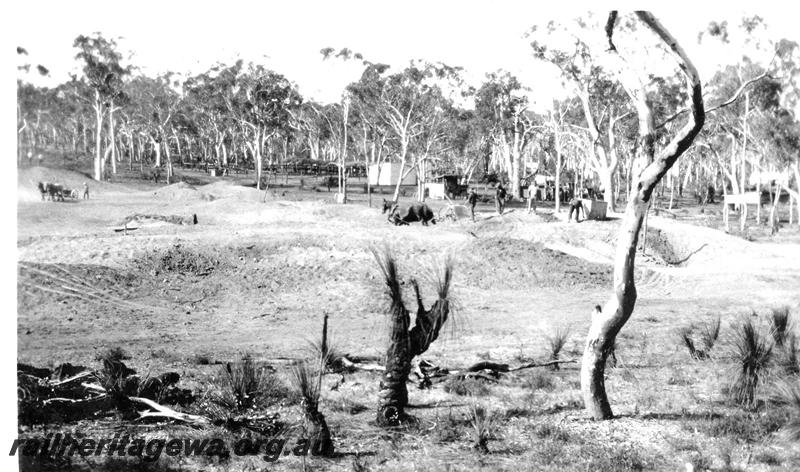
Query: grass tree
607	322
308	382
406	342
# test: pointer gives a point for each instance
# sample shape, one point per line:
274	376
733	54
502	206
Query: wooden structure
741	199
594	209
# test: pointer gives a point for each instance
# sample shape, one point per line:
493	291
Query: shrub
247	384
685	335
752	354
550	431
789	359
177	259
326	350
484	425
710	333
740	425
466	386
556	343
113	376
787	394
781	324
540	380
307	382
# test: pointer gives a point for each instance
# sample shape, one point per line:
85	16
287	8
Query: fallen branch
95	387
543	364
164	412
486	365
79	376
368	367
73	400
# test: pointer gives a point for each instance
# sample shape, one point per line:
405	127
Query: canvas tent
389	173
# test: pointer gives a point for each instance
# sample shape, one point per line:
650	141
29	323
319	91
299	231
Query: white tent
389	173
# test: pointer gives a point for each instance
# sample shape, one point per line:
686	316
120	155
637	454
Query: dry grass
787	394
484	427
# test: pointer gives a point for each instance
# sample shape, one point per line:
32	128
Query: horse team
57	192
406	215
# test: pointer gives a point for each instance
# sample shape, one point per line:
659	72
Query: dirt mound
516	263
144	219
683	244
225	189
181	191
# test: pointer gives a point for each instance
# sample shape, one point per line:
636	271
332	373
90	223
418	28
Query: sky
287	36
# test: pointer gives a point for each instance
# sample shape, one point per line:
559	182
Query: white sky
287	36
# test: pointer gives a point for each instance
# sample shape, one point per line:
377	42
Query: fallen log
165	412
79	376
367	367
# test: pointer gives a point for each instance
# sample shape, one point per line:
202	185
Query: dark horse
54	191
414	212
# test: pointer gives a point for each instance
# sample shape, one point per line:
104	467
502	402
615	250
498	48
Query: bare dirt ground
259	270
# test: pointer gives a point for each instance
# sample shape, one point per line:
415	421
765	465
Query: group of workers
501	197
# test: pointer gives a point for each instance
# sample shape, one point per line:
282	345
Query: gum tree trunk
98	155
608	321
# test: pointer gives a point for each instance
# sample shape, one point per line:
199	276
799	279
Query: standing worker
500	198
472	200
531	195
85	191
577	206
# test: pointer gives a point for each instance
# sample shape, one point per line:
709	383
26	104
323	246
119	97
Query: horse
415	212
43	186
56	191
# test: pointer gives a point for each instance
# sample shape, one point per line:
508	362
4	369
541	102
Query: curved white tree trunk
609	320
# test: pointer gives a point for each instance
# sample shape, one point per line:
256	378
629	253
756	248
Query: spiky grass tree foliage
781	325
308	381
483	424
787	394
326	350
686	336
556	343
790	361
752	354
114	377
710	333
246	383
405	343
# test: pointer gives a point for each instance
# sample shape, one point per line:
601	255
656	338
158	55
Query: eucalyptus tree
502	104
373	131
649	169
155	102
104	74
207	100
603	102
261	103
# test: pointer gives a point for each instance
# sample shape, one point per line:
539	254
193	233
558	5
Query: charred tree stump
405	343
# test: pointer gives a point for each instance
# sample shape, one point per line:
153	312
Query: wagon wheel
447	214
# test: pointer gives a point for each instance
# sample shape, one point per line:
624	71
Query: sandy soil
267	268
